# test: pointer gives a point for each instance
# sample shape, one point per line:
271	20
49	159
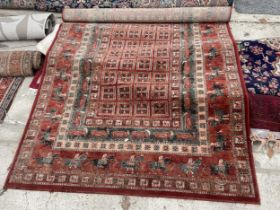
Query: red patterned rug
8	89
140	109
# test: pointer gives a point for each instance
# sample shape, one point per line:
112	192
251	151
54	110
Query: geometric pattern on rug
140	109
8	89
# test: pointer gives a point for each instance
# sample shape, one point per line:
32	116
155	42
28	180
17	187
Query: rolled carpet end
26	27
19	63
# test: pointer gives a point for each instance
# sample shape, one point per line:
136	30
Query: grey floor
268	170
271	7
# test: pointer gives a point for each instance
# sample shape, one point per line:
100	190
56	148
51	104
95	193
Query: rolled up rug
149	15
19	63
26	27
17	4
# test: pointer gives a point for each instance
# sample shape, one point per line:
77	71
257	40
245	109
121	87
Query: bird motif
77	161
191	167
48	160
103	162
161	163
132	163
222	168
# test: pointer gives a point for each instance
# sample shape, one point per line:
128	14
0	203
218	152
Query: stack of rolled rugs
15	65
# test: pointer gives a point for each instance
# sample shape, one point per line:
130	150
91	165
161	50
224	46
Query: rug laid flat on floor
14	65
139	109
8	89
260	62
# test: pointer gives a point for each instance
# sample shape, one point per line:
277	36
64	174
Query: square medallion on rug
140	109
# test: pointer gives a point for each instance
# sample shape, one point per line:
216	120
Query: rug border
31	113
247	114
128	192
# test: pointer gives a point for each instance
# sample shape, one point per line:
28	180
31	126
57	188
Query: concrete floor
258	6
268	170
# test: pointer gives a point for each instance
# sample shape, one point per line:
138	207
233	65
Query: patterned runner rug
8	89
140	109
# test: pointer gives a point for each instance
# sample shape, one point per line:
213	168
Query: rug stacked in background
26	27
261	71
15	65
150	109
17	4
58	5
260	62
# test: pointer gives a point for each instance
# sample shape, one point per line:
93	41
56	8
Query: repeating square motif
125	77
159	92
142	109
109	78
144	64
127	64
39	177
143	77
124	92
61	178
111	64
131	182
124	109
159	108
141	92
156	183
108	93
106	109
74	179
144	182
161	65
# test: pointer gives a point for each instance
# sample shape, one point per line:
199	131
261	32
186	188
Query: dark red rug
140	109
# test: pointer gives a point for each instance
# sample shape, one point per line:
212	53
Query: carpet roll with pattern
26	27
19	63
149	15
17	4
